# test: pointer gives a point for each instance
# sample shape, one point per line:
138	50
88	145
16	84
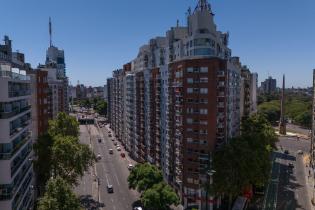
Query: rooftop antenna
177	23
50	32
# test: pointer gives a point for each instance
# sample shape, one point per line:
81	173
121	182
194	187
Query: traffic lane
111	164
118	199
120	167
292	190
293	145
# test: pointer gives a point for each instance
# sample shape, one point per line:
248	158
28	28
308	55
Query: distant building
248	96
269	86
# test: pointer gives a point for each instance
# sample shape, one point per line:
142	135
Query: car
111	151
113	139
291	165
98	157
286	152
99	140
137	208
130	166
118	149
109	135
122	155
300	152
110	188
115	143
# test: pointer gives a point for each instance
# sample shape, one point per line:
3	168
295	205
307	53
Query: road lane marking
117	180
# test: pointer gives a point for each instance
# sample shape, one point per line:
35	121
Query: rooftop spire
203	5
50	32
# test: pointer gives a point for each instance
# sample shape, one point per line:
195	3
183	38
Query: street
111	169
287	187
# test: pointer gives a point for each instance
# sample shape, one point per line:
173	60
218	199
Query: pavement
288	187
110	170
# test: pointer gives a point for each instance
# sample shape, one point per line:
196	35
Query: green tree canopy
58	196
70	159
42	163
245	160
64	125
101	107
159	197
144	176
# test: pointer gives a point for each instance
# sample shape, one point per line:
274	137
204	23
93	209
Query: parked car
98	157
111	151
109	135
300	152
110	188
118	149
115	143
122	155
137	208
113	139
99	140
291	165
286	152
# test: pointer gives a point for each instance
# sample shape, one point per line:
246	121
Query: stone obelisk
282	123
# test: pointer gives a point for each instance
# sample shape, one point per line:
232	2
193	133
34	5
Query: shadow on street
88	203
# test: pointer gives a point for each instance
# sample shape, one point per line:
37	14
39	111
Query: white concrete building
16	174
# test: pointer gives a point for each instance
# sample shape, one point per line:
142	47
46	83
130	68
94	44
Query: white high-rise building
16	174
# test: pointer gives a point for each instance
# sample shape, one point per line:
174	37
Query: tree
144	176
70	159
159	197
58	196
101	107
64	125
43	161
245	160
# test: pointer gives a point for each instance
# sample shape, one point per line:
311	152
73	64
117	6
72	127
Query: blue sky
272	37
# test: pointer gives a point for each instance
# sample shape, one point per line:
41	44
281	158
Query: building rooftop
13	73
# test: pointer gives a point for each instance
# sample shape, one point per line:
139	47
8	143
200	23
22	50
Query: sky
271	37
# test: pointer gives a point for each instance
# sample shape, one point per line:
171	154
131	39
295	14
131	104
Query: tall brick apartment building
178	101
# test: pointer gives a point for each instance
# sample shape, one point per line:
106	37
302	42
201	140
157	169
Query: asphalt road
111	169
287	187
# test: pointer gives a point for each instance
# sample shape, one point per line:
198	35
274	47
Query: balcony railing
14	75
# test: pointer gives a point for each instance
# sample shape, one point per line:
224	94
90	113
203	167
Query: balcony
14	75
19	159
15	145
13	112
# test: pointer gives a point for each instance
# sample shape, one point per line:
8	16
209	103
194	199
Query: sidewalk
309	177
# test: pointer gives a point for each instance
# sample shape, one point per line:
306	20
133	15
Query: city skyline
111	41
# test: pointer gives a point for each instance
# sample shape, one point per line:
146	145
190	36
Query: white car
300	152
130	166
99	157
118	148
137	208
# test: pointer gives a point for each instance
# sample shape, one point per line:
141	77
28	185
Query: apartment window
204	80
204	70
190	180
190	80
203	111
189	120
203	100
190	70
189	90
189	140
203	122
203	131
204	90
189	129
190	100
